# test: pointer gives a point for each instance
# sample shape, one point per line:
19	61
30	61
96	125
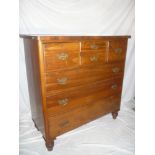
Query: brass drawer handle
62	81
116	70
94	46
62	56
114	86
63	101
118	50
93	58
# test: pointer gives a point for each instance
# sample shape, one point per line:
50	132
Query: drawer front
61	55
117	51
61	59
94	45
64	105
93	57
79	116
60	80
81	94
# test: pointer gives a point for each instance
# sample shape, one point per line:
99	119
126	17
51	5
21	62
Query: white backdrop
77	17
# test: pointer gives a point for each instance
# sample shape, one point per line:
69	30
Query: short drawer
61	59
94	45
81	94
61	55
117	51
93	58
59	80
81	115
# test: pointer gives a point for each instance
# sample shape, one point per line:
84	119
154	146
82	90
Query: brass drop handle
94	46
63	101
93	58
62	56
118	50
114	86
116	70
62	81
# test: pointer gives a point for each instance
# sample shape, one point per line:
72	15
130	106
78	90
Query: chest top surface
43	37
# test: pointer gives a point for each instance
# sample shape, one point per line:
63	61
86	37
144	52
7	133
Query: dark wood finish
73	80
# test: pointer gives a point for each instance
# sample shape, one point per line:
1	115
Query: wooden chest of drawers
73	80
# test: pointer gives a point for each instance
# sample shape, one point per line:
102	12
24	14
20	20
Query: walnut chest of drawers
73	80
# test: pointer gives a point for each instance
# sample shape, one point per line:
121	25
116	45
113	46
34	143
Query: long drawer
82	94
60	80
74	118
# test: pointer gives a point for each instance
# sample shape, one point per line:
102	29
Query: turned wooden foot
50	146
115	114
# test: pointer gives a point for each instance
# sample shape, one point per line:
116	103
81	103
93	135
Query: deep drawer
79	116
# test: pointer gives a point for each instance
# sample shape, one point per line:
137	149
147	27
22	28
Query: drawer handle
62	81
94	46
93	58
63	101
118	50
62	56
64	123
114	86
116	70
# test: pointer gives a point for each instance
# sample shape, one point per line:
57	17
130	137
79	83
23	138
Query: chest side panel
34	82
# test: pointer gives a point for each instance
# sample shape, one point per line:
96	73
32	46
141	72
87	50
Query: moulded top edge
59	37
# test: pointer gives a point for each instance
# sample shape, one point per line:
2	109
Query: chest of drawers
73	80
